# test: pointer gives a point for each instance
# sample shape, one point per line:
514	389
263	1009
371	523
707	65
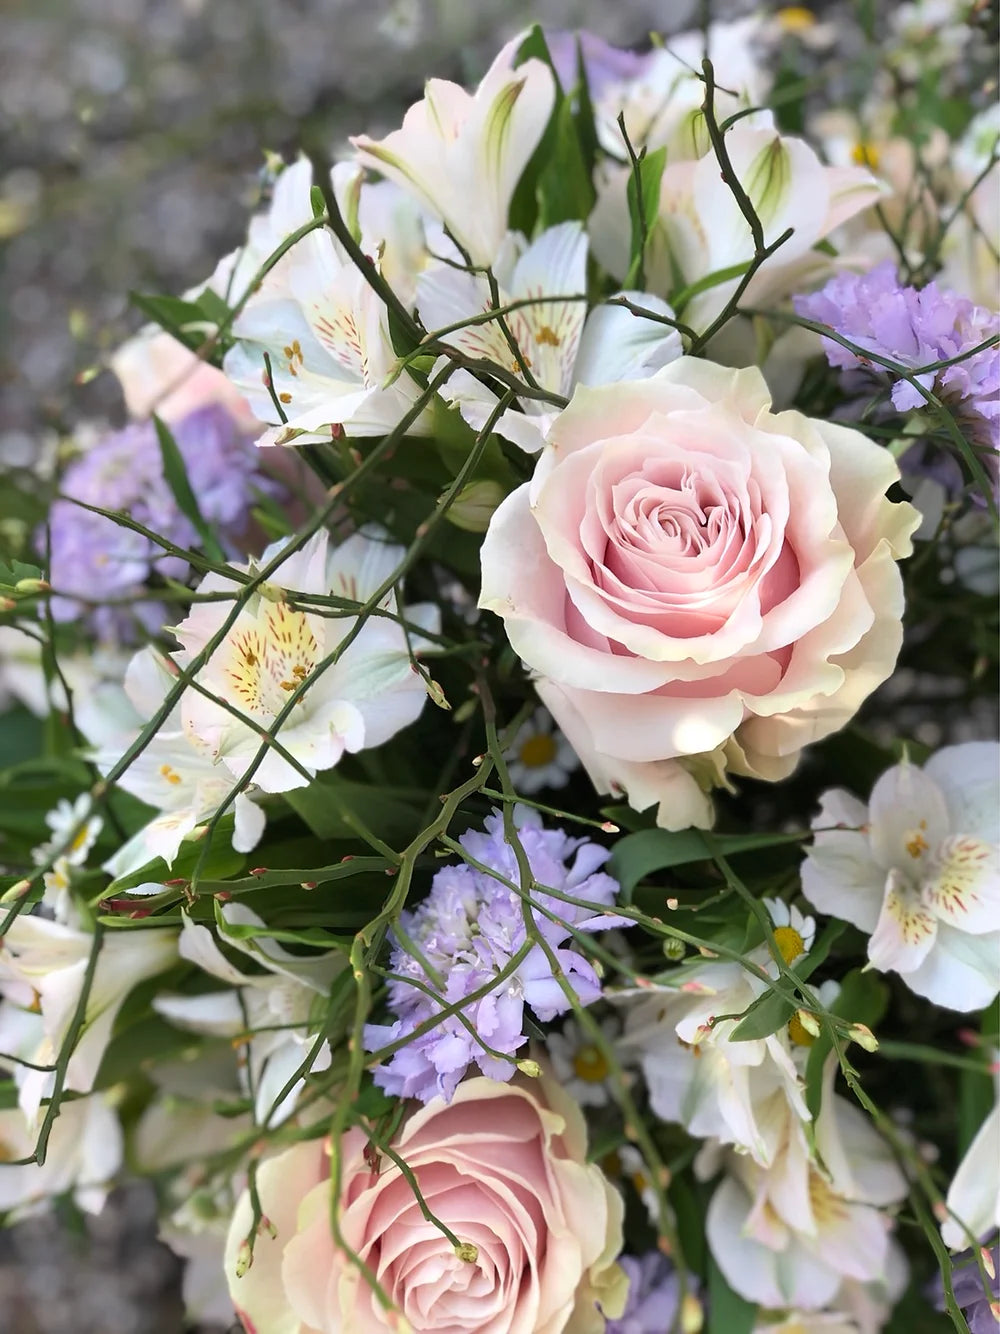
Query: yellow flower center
790	944
171	775
589	1064
798	1032
865	155
81	838
796	18
916	844
538	750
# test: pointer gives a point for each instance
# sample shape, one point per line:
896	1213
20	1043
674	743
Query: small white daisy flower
579	1064
62	820
634	1170
794	932
540	756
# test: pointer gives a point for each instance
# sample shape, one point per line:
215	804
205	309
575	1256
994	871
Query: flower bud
473	507
692	1314
466	1251
863	1036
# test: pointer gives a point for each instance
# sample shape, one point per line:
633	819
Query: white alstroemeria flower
539	755
559	343
461	154
43	966
578	1062
739	1093
361	700
279	1002
84	1155
22	678
172	774
918	868
974	1194
791	1234
806	1322
788	186
331	355
662	104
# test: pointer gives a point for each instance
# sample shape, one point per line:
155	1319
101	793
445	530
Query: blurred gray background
131	140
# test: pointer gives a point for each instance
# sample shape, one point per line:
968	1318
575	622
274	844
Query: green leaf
187	321
863	999
643	196
175	473
637	855
333	807
728	1313
763	1018
557	183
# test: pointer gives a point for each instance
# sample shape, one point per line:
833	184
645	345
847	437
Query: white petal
905	932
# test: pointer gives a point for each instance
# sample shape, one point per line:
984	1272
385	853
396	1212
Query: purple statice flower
915	327
603	63
653	1295
980	1307
94	559
466	931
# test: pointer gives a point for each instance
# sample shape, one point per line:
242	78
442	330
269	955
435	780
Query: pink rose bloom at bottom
502	1165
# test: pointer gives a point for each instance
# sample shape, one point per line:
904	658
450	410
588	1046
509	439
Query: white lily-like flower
662	104
918	869
792	1233
43	968
332	363
85	1152
461	154
738	1093
273	1009
700	230
362	699
175	776
62	820
557	342
974	1194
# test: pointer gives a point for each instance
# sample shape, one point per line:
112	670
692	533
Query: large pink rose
699	583
502	1165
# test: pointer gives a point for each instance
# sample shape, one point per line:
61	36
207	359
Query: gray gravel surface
131	135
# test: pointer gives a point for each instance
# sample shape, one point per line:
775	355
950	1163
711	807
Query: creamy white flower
332	363
578	1062
539	755
662	104
22	678
278	1002
461	154
788	186
558	343
792	1233
738	1093
84	1155
918	870
974	1194
172	774
362	699
43	967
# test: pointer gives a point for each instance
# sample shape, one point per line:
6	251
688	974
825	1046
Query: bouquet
499	793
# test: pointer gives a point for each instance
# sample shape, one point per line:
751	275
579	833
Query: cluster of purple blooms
980	1305
466	932
94	558
653	1295
916	327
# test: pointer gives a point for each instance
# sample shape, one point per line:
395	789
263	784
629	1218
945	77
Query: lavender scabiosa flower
94	559
979	1305
653	1294
466	932
916	327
